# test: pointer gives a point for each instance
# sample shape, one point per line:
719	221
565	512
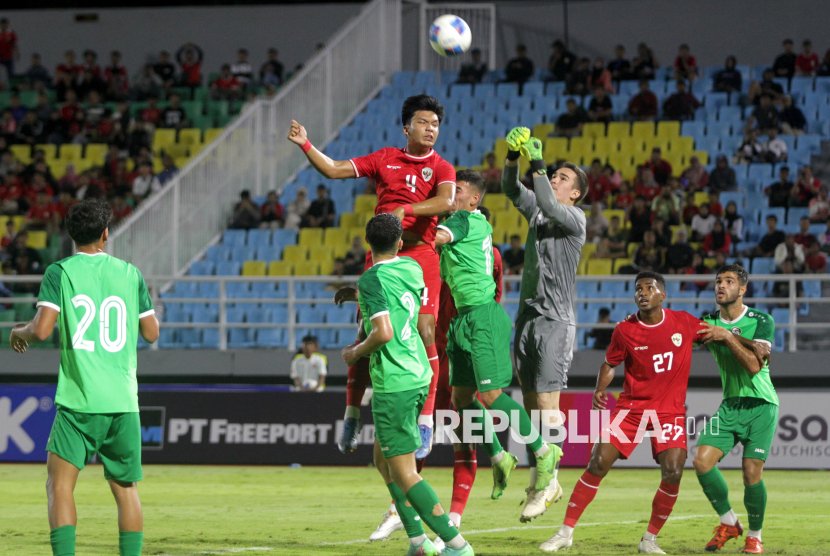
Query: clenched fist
297	134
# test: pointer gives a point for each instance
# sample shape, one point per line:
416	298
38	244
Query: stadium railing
155	284
174	227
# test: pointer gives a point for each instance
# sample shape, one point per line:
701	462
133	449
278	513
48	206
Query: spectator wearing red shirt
644	105
39	185
815	262
624	199
41	214
271	211
71	107
152	112
226	86
690	210
715	208
9	52
806	63
804	237
647	186
189	58
91	63
69	67
805	189
717	240
599	186
65	202
115	75
660	167
685	65
120	209
7	239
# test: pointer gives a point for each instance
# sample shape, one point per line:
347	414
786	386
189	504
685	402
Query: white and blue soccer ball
450	35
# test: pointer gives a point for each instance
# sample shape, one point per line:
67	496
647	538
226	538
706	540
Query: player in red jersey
417	185
656	345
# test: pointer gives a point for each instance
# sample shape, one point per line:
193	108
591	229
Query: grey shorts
544	351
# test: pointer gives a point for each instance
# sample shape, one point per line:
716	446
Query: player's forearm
373	342
332	169
32	331
510	184
745	356
432	207
605	376
545	198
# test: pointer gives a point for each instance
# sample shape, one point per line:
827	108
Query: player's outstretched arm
333	169
745	355
36	330
545	198
382	333
521	197
604	378
148	327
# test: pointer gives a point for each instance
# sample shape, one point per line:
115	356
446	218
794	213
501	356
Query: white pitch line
225	551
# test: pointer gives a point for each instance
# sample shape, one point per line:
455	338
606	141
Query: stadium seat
202	268
70	152
642	130
307	268
190	136
228	268
163	138
254	268
311	236
295	253
620	130
599	267
320	253
280	268
242	254
50	151
668	130
234	238
37	239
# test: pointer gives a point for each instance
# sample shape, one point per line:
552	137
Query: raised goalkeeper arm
564	215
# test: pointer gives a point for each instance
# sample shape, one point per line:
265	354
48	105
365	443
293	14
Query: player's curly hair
383	232
740	272
87	220
420	102
656	276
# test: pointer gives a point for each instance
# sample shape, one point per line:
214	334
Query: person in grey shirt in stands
545	326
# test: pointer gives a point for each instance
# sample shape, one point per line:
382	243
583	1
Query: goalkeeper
545	326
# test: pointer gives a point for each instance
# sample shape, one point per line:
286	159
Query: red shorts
427	257
671	432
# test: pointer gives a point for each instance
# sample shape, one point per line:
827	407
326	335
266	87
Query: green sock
409	517
129	543
755	500
715	489
491	444
525	427
63	540
424	500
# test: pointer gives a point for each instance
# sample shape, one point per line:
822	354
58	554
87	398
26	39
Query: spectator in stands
602	336
473	71
43	109
623	199
275	65
766	247
338	270
514	257
296	210
619	67
662	232
771	88
729	79
814	261
357	251
750	149
690	209
561	62
644	65
20	248
321	211
271	213
601	77
37	75
613	240
165	70
578	82
666	206
685	65
492	174
596	223
174	115
69	66
659	166
8	126
820	207
648	256
733	222
714	204
702	223
775	149
8	238
308	369
246	213
764	117
804	238
31	129
681	105
695	177
679	254
644	105
698	266
18	110
242	69
639	218
190	58
120	210
40	214
88	83
599	185
519	69
570	123
789	250
226	86
169	171
115	75
601	109
792	119
91	62
807	62
647	186
147	84
352	266
718	240
722	177
145	183
784	65
9	52
805	188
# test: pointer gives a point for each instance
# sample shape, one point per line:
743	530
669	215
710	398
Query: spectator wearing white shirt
775	148
308	370
145	183
702	223
791	251
242	68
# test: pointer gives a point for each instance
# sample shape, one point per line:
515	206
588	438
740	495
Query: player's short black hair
581	179
648	274
87	220
604	312
420	102
473	178
310	339
485	211
740	272
383	232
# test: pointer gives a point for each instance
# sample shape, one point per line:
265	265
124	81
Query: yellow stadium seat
335	237
163	138
555	147
349	220
668	130
176	150
365	203
608	213
307	268
158	165
580	145
619	263
320	253
500	149
606	146
619	159
509	218
633	145
85	164
696	245
190	136
682	145
70	151
326	267
643	130
620	130
499	235
582	268
23	153
676	161
495	201
702	155
280	268
37	239
675	229
295	253
627	171
593	129
51	151
212	133
599	267
589	249
359	231
181	161
58	168
254	268
311	236
657	142
19	221
541	131
96	152
701	197
340	250
632	248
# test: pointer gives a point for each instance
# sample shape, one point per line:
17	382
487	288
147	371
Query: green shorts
116	437
750	421
478	348
396	420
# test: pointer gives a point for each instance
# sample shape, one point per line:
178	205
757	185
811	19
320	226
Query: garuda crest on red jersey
426	173
677	339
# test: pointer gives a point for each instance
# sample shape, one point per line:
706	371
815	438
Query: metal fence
174	227
792	303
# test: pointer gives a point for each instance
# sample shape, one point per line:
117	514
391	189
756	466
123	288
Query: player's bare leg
356	384
714	487
426	421
130	517
538	501
671	469
603	456
60	487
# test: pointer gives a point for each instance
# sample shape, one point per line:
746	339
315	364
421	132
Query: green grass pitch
284	511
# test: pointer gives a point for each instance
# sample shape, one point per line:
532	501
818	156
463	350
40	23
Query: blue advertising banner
26	415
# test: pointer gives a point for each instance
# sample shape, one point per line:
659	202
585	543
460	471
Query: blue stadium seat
271	337
714	101
709	144
234	238
259	238
228	268
533	89
218	253
795	214
613	289
402	79
425	78
718	129
507	90
484	90
763	265
801	85
729	196
204	314
811	143
731	114
242	254
167	338
310	315
284	237
186	289
339	314
279	314
202	268
239	290
448	77
760	171
585	290
461	90
208	289
258	316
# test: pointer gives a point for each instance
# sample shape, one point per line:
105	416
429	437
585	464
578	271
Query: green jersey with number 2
467	260
394	287
100	300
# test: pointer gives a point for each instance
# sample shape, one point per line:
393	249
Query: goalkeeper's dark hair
87	220
648	274
383	232
740	272
420	102
474	179
581	179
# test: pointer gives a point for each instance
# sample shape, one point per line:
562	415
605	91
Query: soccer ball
309	384
450	35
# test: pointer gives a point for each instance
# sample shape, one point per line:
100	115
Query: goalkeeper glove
515	139
532	149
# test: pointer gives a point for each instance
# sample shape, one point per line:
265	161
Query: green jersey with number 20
100	300
467	260
394	287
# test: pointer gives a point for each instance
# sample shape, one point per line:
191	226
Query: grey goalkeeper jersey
554	243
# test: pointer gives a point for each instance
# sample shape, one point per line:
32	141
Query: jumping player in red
417	185
656	345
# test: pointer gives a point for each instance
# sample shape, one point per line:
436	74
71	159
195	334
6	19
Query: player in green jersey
101	304
748	413
478	340
389	294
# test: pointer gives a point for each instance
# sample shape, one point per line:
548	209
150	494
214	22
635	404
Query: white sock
649	537
456	519
566	531
533	476
352	412
497	458
729	518
756	534
426	420
393	509
415	541
456	542
542	451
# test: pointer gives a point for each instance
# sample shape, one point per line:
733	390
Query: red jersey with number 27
404	179
657	361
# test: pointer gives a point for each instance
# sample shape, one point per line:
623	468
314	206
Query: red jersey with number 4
404	179
657	360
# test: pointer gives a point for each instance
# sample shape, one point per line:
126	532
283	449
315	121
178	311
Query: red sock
419	465
662	506
357	382
584	492
463	477
432	355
